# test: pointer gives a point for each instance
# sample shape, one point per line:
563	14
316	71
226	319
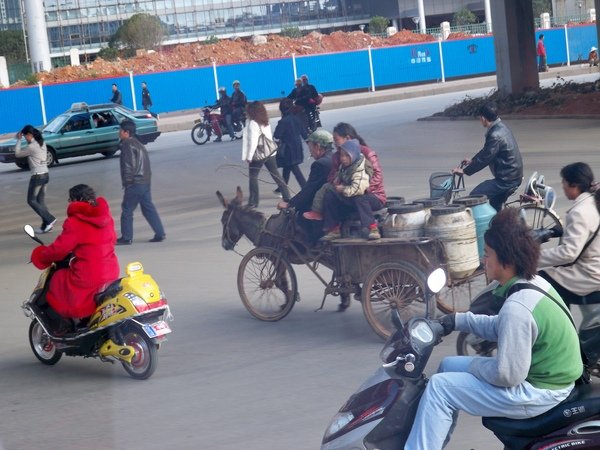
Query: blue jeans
36	194
139	194
453	389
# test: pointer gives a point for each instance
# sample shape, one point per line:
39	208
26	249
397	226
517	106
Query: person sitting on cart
376	193
320	145
347	194
224	103
501	153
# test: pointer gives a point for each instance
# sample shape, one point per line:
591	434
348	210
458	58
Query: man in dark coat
320	144
116	97
135	177
238	101
501	153
290	133
146	99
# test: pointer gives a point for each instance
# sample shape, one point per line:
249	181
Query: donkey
239	220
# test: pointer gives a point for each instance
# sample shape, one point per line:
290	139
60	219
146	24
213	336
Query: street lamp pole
421	8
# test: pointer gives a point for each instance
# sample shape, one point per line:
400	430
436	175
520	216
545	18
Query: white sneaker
49	227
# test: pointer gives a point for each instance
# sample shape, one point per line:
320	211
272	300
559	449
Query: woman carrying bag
258	149
290	133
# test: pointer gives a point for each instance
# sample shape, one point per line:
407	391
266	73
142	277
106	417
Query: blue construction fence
271	79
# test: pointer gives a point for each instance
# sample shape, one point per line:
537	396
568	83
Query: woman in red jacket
89	237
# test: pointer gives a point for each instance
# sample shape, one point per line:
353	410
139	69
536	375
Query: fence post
294	66
132	90
371	69
216	78
567	46
42	103
441	60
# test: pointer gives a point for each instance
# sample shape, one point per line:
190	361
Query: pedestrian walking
135	178
257	125
290	133
116	97
541	52
146	99
36	154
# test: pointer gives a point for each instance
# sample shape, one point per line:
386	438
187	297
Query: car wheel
51	157
22	164
110	153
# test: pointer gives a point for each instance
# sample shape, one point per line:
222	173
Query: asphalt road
226	380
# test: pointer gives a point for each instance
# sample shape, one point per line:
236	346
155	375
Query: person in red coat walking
89	236
541	52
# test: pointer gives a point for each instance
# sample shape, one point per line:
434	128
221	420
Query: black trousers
337	208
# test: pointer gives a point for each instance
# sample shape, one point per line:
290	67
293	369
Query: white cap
593	48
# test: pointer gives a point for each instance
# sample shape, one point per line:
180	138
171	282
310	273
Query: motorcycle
381	413
128	326
203	128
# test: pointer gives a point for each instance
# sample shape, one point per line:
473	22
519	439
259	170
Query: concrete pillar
545	20
37	36
422	24
4	81
514	41
74	53
445	30
592	14
488	16
597	8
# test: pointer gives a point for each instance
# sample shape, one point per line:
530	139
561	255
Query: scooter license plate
157	329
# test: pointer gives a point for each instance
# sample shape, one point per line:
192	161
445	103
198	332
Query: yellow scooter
128	326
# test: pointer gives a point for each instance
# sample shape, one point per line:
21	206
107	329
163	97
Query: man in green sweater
538	357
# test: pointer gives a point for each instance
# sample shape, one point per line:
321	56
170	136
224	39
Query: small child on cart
346	194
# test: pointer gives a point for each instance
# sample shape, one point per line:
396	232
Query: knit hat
322	137
352	147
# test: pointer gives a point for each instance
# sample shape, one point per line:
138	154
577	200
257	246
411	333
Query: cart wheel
458	297
392	286
267	284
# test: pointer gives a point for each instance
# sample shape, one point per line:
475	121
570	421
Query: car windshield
55	124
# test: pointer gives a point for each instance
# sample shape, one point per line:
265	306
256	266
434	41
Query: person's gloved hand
448	322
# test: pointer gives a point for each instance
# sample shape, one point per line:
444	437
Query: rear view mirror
549	198
29	230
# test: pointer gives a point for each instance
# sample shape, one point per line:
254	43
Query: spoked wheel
43	348
458	296
392	286
200	134
267	284
538	217
144	361
468	344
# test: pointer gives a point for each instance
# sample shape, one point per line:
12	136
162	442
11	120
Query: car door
106	130
76	136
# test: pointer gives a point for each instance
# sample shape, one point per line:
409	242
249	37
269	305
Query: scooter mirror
29	230
31	233
550	198
436	280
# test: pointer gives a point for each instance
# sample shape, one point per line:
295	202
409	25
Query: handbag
265	148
